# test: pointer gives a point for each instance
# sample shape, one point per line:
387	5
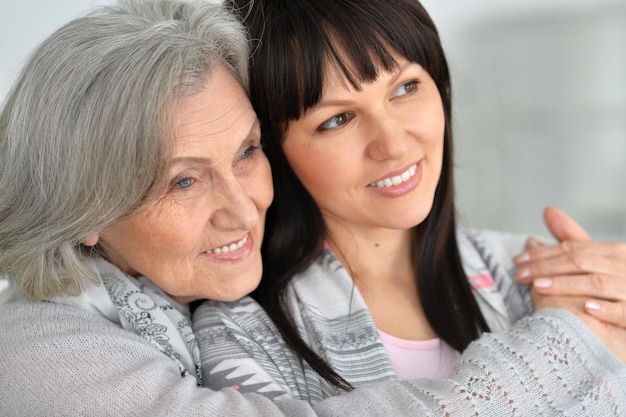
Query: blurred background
540	111
539	103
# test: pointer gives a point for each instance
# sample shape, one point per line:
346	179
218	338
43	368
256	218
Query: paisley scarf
141	307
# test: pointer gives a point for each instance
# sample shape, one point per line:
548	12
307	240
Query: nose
236	209
387	139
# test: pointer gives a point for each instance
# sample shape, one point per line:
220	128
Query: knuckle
597	282
578	259
621	248
566	246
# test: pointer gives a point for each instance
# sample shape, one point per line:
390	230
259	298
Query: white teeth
398	179
230	248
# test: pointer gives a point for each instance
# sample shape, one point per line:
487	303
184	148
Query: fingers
562	226
537	251
586	285
532	243
613	312
585	277
572	258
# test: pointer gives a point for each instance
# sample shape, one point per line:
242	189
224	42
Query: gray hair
86	131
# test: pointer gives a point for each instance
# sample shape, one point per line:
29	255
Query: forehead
220	113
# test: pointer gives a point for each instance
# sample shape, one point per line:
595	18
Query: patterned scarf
144	309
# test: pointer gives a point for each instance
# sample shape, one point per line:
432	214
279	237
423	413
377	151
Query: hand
577	266
613	337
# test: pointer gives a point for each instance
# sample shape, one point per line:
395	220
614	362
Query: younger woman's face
371	159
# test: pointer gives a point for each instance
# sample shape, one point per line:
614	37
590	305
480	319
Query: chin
404	222
235	294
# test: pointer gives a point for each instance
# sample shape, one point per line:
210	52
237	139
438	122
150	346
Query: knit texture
241	348
73	357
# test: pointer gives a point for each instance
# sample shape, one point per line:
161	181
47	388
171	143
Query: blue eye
248	152
336	121
406	88
184	183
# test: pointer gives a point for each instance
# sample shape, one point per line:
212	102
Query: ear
91	240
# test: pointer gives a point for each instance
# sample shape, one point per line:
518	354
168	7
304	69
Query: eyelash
414	84
250	151
247	154
324	126
178	183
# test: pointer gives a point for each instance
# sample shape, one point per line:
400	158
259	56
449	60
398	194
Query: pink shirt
414	359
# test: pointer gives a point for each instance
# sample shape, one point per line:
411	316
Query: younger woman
366	275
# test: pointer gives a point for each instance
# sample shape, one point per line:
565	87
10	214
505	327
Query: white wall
539	96
540	110
25	23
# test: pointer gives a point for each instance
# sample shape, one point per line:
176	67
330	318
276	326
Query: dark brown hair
294	41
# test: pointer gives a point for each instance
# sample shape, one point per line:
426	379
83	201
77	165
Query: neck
381	265
370	256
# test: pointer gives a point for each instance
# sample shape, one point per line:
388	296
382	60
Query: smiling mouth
396	180
230	248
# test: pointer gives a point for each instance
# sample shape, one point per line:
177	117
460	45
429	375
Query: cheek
317	169
160	231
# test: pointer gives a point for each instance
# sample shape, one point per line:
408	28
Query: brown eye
406	88
336	121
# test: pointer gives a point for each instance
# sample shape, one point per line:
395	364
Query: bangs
357	39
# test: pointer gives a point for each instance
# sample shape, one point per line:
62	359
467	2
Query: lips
230	247
395	179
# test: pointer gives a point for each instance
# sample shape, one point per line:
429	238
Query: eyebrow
194	160
207	161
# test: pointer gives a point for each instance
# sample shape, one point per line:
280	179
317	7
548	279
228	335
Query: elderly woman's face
202	238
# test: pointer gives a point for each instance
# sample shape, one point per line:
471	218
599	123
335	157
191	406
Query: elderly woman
132	183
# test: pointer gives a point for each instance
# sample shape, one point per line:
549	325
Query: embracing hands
587	278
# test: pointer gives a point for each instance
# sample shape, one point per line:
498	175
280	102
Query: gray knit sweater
73	357
241	348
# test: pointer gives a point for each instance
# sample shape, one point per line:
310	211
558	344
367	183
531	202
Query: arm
59	360
89	366
548	363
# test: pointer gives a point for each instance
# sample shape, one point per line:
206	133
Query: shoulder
50	334
494	243
488	252
488	260
59	348
60	359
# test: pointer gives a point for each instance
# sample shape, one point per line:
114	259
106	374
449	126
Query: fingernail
522	257
523	273
542	283
592	305
532	243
